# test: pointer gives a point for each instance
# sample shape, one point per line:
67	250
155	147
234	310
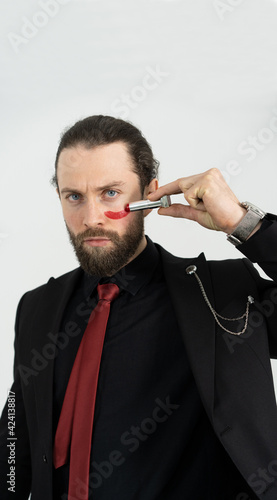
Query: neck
140	248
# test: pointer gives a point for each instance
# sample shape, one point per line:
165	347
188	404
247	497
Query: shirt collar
131	277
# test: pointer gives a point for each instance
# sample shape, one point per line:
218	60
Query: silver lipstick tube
164	202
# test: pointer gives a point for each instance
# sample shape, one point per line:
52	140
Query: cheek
122	224
72	218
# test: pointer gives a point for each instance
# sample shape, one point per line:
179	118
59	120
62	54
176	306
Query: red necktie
74	431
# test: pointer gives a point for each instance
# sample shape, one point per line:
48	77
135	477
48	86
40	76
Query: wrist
237	218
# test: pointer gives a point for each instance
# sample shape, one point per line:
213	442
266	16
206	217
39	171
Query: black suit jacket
233	374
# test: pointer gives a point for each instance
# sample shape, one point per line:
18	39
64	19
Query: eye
73	197
111	193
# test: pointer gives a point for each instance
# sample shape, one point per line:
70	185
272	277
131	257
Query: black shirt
151	436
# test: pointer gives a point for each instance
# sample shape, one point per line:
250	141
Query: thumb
179	210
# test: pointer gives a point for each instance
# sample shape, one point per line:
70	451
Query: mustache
91	233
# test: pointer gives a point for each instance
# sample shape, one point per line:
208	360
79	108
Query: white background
216	89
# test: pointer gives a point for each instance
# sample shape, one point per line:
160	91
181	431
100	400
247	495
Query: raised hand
211	202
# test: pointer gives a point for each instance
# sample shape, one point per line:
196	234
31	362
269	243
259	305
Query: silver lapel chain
250	300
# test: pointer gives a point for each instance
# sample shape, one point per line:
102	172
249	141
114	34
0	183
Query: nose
93	214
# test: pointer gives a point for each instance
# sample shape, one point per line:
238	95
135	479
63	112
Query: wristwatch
251	219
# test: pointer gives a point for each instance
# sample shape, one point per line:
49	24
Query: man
185	405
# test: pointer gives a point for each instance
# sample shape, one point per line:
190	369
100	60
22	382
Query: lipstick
117	215
163	202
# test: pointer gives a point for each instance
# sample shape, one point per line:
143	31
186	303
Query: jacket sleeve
261	248
14	441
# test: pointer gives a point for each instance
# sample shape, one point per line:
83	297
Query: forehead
99	162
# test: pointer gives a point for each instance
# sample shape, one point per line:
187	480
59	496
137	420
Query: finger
193	196
167	189
180	211
175	187
195	202
189	213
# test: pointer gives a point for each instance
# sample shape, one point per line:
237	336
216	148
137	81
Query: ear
152	186
58	192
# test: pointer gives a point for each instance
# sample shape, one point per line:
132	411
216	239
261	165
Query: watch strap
251	219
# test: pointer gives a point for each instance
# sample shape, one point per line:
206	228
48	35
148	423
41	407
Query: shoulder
60	283
228	271
230	265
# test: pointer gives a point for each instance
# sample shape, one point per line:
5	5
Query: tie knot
108	291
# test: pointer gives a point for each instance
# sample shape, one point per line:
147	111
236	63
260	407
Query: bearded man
140	375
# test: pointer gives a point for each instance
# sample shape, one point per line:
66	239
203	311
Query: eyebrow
100	188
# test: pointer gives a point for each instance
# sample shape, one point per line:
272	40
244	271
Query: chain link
217	315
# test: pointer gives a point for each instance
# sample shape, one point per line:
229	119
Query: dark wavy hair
100	130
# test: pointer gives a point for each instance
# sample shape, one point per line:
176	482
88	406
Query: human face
92	182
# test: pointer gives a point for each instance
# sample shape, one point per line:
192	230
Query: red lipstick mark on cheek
118	215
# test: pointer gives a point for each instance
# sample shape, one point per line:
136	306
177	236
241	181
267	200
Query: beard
102	261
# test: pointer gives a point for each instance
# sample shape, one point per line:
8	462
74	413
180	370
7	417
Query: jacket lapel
194	318
196	322
246	430
54	300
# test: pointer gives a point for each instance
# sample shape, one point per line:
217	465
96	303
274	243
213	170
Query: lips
97	241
